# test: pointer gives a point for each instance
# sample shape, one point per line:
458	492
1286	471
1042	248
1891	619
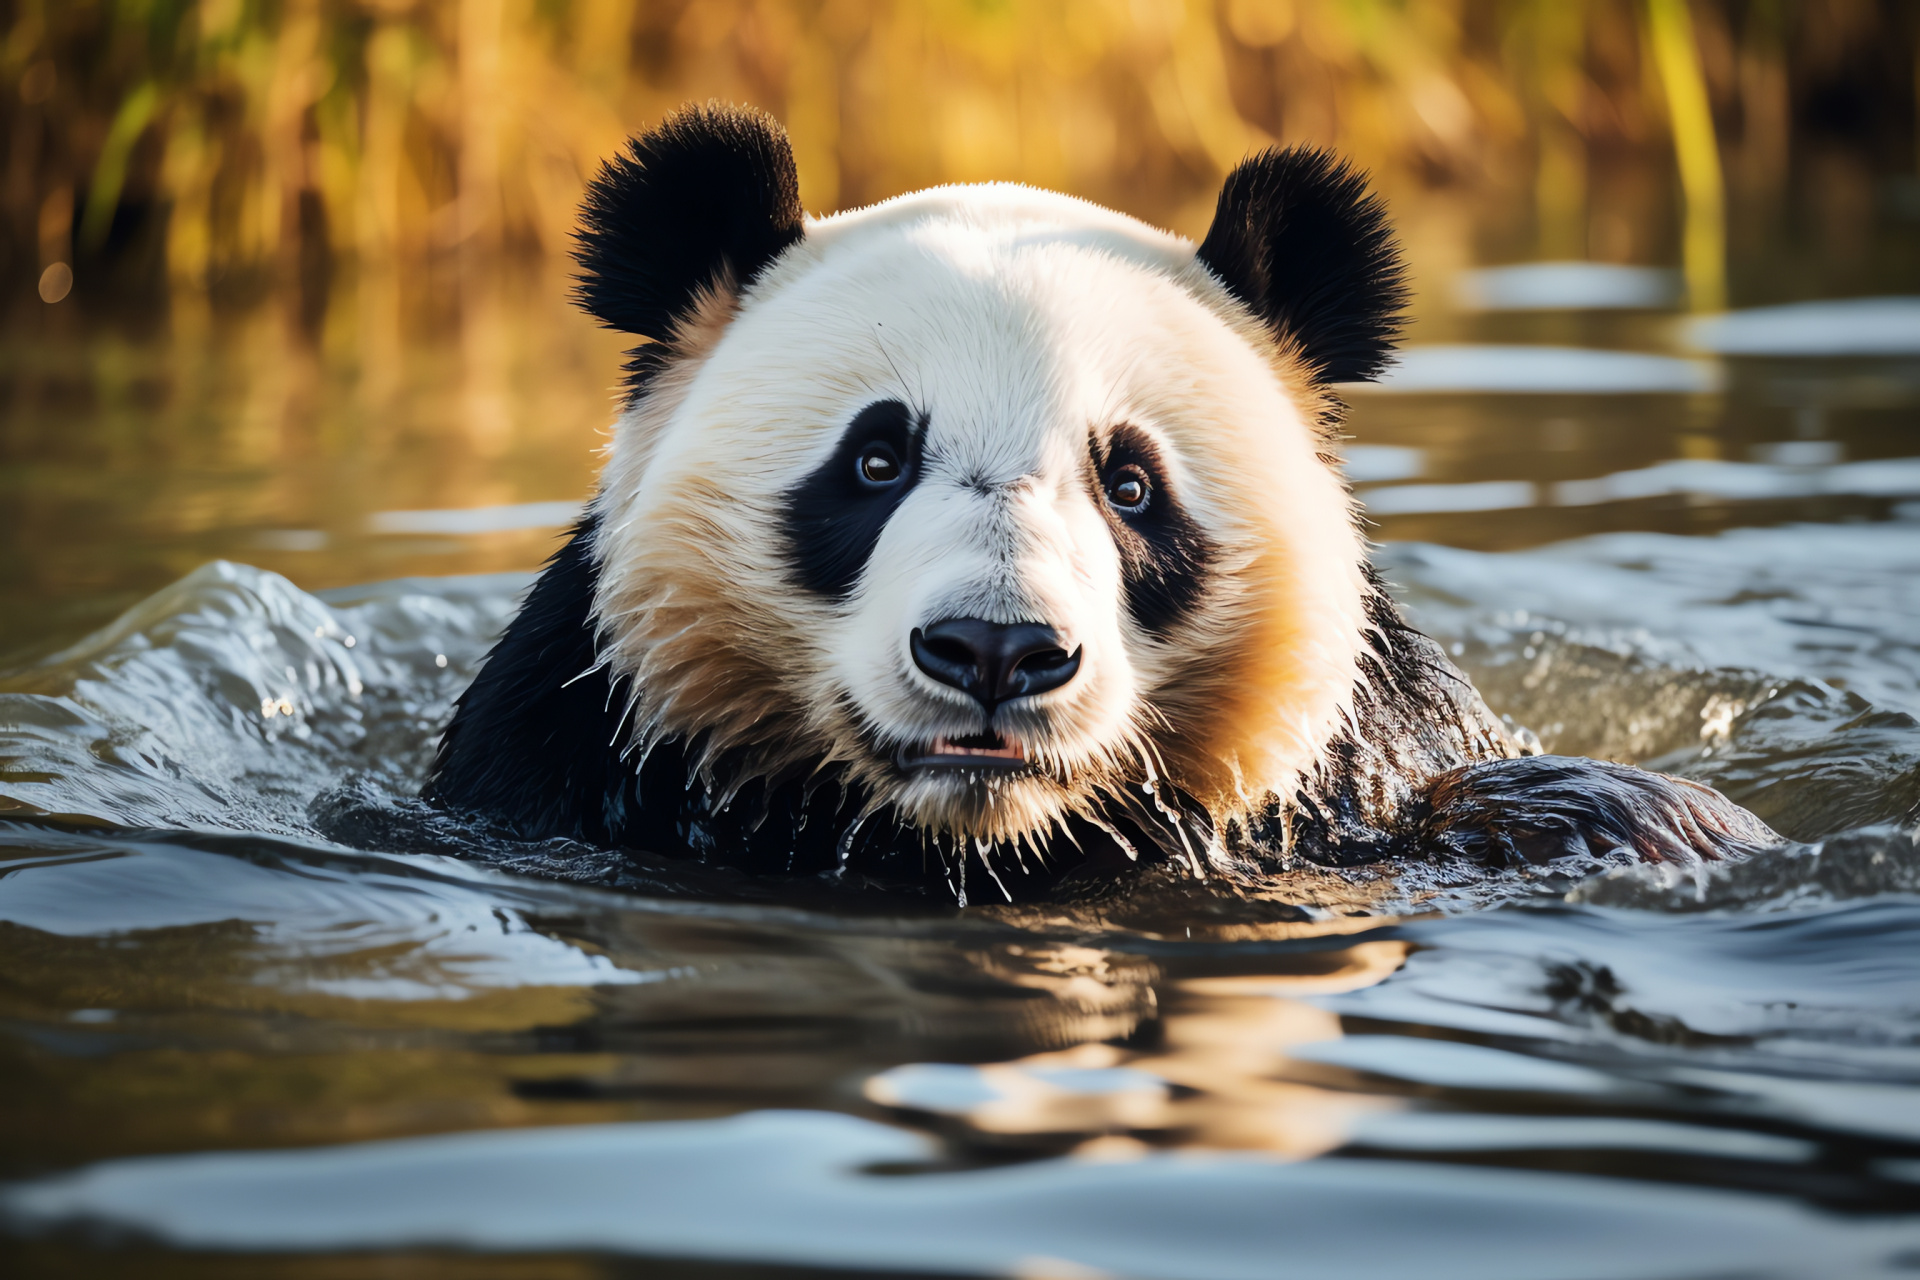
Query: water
232	1046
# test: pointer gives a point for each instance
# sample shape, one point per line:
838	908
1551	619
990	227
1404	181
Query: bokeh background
286	280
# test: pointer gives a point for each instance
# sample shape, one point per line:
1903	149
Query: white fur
1019	322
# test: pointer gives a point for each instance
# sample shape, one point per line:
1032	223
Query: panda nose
993	661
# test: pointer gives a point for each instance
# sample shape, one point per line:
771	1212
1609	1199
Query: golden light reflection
1214	1077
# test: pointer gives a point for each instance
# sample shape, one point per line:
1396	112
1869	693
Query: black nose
994	661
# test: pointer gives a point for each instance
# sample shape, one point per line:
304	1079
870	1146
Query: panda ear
711	192
1298	239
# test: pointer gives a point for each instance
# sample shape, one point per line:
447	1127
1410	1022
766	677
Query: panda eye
1128	489
878	465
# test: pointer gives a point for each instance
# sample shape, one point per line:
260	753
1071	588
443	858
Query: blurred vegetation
209	144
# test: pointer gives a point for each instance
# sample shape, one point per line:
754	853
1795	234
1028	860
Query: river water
230	1046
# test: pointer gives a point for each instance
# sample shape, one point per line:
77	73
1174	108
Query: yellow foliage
389	129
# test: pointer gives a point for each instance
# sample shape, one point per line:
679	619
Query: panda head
1002	506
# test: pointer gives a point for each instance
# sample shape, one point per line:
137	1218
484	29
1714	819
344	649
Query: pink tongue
947	747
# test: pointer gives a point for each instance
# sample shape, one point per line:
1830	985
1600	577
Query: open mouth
977	751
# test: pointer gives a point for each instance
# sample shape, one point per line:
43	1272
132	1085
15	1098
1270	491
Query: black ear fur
712	189
1298	239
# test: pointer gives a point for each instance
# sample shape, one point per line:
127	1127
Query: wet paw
1543	809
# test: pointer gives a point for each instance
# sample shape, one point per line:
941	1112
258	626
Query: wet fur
1423	771
1294	716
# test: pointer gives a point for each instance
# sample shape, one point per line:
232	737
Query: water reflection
1538	368
1208	1077
815	1190
129	455
1567	286
1841	327
1654	1073
278	958
705	1081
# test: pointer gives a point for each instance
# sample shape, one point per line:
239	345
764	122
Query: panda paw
1542	809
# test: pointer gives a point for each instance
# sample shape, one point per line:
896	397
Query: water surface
231	1044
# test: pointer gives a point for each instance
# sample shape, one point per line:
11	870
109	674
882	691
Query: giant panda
988	532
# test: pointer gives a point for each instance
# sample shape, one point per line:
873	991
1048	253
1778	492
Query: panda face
996	501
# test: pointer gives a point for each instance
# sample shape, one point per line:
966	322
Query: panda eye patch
835	514
1129	488
879	465
1164	555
